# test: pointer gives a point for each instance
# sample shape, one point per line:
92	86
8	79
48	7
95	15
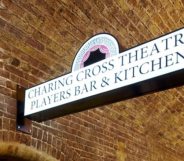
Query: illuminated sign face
152	66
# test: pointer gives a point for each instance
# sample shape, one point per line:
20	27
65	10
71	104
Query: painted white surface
76	86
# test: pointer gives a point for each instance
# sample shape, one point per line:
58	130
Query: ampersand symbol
105	82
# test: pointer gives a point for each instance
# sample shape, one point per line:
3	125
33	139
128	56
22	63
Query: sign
152	66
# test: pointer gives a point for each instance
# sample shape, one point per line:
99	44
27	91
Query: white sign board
152	59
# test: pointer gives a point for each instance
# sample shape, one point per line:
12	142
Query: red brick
14	78
43	4
45	136
39	145
11	137
35	132
35	44
14	70
4	55
10	101
18	136
40	134
1	135
49	138
28	7
32	79
41	37
33	142
30	60
11	85
37	73
5	91
15	31
25	139
24	83
1	123
13	125
45	68
12	110
4	73
5	135
2	23
6	123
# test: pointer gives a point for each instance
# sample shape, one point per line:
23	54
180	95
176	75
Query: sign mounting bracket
23	124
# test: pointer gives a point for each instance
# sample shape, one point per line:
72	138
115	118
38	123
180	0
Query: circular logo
97	48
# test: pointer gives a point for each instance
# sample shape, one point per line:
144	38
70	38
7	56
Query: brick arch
17	151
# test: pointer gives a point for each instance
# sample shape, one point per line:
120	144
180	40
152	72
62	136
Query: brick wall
38	42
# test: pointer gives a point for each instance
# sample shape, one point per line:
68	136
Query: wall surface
38	42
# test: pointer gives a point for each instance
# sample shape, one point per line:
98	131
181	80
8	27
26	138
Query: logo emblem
97	48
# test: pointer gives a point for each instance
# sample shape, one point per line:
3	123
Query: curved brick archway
8	158
11	151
